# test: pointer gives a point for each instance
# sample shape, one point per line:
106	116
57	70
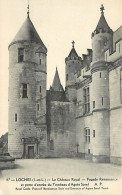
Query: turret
101	41
27	92
73	64
102	38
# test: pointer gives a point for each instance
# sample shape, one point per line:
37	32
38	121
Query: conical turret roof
102	24
27	32
56	86
73	53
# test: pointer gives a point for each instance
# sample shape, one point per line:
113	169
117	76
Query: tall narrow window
93	133
87	135
16	117
37	107
40	89
93	104
40	61
121	86
102	100
88	151
86	100
100	74
24	90
20	55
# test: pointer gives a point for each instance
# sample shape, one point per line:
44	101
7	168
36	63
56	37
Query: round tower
101	41
27	136
73	64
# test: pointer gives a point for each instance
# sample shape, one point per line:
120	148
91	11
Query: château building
84	120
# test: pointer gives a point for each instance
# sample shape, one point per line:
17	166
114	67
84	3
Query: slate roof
102	24
56	86
73	53
27	32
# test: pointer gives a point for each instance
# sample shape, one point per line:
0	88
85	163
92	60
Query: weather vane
102	9
73	43
28	9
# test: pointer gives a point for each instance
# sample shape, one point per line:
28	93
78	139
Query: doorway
30	152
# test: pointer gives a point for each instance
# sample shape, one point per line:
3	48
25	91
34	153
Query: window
16	117
100	74
102	100
38	107
87	135
20	55
40	89
24	90
93	133
86	100
51	145
93	104
88	151
121	86
40	61
67	77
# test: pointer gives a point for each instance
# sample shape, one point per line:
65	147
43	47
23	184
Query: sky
58	22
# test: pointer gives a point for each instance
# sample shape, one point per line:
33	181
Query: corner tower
27	137
101	41
73	65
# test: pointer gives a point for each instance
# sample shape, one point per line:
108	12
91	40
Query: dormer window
20	54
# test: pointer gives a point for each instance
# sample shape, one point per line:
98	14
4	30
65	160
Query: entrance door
30	151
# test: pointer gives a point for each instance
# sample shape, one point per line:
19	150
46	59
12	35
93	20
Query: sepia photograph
61	97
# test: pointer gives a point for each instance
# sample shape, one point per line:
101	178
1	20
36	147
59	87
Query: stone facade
84	119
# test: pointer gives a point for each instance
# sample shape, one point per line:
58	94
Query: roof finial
28	9
102	9
73	43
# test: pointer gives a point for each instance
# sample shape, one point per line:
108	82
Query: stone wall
62	131
115	115
24	116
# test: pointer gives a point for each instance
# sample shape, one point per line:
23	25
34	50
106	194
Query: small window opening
93	104
100	74
40	89
102	100
93	133
88	151
38	107
16	117
40	61
24	90
20	55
